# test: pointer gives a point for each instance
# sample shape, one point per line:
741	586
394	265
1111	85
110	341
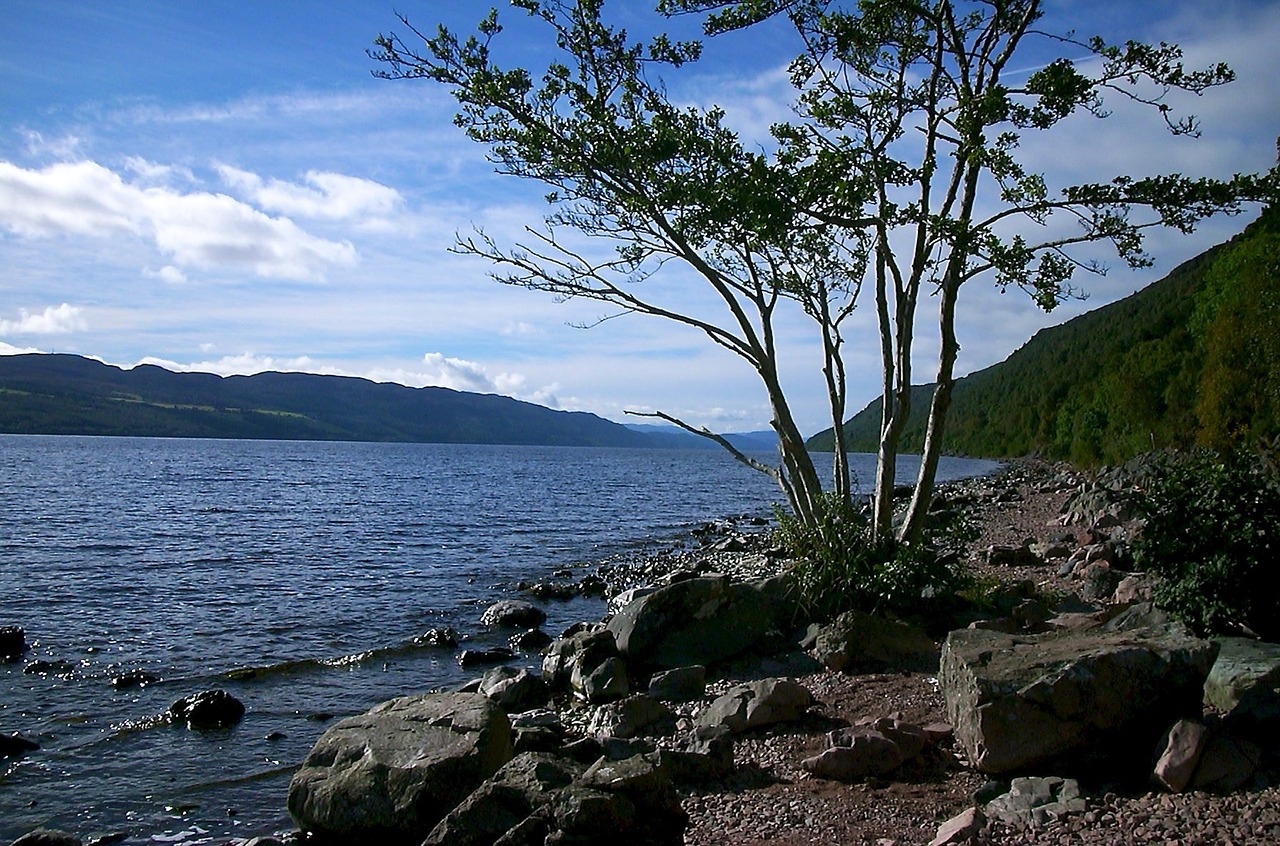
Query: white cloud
168	274
331	196
463	375
67	147
54	320
196	229
10	349
245	364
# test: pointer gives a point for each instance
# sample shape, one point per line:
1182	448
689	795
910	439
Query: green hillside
66	394
1192	359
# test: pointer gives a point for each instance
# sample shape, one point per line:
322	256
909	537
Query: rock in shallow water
208	709
390	774
13	643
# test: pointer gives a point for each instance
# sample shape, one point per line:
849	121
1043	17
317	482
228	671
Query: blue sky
223	186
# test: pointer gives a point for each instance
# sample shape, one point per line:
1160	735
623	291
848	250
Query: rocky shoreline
700	712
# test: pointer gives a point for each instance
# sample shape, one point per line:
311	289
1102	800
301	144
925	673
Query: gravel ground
771	800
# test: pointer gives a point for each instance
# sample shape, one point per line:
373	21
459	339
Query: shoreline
769	799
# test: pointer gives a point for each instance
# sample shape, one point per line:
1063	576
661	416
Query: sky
224	186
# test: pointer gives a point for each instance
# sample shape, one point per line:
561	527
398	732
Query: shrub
1212	521
840	568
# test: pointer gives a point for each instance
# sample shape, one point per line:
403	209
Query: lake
316	565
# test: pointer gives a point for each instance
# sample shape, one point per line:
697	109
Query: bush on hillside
1212	521
840	568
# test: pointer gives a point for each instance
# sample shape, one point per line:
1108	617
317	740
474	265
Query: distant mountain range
67	394
1193	359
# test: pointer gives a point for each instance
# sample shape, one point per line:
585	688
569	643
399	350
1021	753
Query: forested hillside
66	394
1193	359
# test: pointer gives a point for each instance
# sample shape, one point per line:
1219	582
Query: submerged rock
13	643
13	745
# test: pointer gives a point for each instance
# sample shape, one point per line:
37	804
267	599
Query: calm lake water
315	563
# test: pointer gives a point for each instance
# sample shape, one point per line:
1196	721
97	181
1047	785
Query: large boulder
537	799
858	640
522	786
696	621
1075	697
1244	684
588	665
390	774
757	704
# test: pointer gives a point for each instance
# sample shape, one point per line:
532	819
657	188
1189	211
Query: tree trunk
922	498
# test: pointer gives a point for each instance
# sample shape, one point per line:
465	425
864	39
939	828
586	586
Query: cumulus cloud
244	364
330	196
462	375
10	349
54	320
168	274
197	229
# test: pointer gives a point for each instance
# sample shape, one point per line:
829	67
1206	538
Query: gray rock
1226	764
208	709
445	638
606	682
701	756
530	641
587	664
514	689
636	715
480	657
757	704
872	748
392	773
860	640
13	745
679	685
514	613
522	786
13	643
48	837
1244	684
696	621
1082	697
133	678
1036	802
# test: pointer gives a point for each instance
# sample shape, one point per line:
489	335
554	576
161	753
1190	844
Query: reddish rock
1182	748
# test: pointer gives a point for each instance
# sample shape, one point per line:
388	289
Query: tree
899	169
658	183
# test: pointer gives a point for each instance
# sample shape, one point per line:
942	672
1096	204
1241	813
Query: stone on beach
392	773
860	640
1077	696
695	621
758	704
514	689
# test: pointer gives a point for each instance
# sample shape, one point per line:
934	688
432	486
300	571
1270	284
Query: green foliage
840	566
1192	360
1212	521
